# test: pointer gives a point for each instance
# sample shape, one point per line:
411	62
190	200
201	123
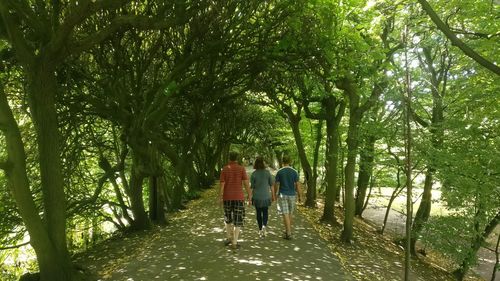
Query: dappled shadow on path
191	248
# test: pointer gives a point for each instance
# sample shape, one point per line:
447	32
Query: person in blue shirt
288	190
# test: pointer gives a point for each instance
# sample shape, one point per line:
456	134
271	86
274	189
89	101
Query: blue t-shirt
287	177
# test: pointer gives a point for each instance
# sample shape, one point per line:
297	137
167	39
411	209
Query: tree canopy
115	113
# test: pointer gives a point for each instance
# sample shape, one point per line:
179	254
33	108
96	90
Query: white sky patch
369	4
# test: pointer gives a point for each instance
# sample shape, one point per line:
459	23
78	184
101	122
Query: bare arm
221	192
246	184
276	189
273	195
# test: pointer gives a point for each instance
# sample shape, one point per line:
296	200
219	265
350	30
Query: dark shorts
234	212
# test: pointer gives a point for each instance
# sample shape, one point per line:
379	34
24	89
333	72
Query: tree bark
394	195
365	173
41	45
356	111
306	166
476	244
153	198
497	260
437	78
110	174
332	111
331	165
121	202
352	150
47	236
423	212
42	93
141	220
179	189
352	145
156	200
311	195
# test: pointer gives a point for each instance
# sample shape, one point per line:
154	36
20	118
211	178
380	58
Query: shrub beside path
191	248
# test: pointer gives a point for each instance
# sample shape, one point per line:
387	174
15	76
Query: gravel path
191	248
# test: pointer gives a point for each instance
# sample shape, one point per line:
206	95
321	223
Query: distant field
380	198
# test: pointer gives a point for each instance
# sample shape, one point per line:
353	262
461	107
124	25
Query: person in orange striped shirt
232	177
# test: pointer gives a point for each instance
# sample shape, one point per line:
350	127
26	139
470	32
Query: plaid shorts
286	204
234	212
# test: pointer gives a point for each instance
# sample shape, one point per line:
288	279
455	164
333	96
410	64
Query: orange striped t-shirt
232	176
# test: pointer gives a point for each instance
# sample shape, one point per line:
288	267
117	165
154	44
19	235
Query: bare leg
286	221
229	231
235	236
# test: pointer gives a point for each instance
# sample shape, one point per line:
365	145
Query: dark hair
259	163
286	159
233	156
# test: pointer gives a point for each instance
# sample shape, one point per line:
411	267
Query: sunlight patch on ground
217	229
276	262
255	262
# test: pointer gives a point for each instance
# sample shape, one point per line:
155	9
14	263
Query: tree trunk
476	244
355	114
121	201
110	172
365	173
438	90
352	152
312	190
370	189
331	165
153	198
211	165
340	171
42	104
193	178
424	209
423	212
156	201
497	260
179	189
141	220
47	236
225	156
306	166
394	195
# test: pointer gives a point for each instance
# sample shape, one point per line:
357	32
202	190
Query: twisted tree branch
457	42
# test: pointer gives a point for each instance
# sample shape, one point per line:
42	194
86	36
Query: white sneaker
263	231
